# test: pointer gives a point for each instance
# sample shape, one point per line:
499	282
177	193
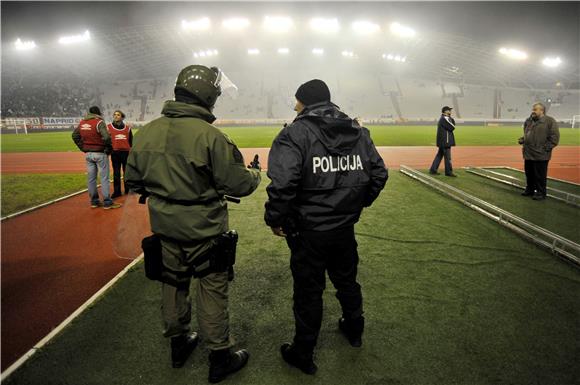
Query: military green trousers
211	298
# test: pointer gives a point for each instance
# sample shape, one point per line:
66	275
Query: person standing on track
187	166
541	135
324	169
445	140
92	138
122	140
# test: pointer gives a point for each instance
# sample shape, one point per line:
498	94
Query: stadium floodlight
552	62
513	53
24	45
348	54
402	30
65	40
395	57
236	23
322	25
278	24
283	51
205	53
253	51
363	27
318	51
196	25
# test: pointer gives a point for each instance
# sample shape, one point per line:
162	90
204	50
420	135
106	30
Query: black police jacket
324	168
445	135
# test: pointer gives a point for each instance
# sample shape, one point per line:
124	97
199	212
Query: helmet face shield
224	83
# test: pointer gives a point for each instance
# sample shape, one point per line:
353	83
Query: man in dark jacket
445	140
541	135
92	138
324	168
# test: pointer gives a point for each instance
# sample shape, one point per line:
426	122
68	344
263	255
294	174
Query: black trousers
536	175
312	254
119	159
443	152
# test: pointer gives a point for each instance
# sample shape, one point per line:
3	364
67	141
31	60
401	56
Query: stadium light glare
278	24
348	54
513	53
318	51
196	25
236	23
395	57
253	51
283	51
24	45
552	62
402	30
322	25
205	53
363	27
73	39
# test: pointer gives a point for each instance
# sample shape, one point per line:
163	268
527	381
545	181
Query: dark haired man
122	140
541	135
445	140
92	138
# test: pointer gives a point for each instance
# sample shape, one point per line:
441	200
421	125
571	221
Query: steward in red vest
122	139
91	134
92	138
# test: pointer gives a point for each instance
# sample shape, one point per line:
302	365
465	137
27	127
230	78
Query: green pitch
264	135
450	298
22	191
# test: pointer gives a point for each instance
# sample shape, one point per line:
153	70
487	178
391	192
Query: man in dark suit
445	140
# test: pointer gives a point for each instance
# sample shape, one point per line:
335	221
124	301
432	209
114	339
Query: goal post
16	124
575	121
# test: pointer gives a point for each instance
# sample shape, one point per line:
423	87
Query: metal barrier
563	196
522	172
563	247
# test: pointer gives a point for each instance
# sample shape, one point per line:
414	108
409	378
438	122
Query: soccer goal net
18	125
575	121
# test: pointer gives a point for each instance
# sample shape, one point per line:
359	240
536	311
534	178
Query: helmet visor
224	83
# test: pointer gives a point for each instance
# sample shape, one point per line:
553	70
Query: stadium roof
456	41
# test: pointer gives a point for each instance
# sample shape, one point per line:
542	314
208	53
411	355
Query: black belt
186	202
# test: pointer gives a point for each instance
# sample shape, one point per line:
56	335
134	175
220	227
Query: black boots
181	348
352	330
223	362
299	358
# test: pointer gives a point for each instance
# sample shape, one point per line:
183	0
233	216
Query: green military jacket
182	158
540	137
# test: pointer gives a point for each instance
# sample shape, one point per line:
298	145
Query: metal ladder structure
558	245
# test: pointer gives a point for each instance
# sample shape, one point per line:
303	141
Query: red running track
57	257
565	163
53	260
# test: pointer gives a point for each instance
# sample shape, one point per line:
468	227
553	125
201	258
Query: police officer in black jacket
445	140
324	169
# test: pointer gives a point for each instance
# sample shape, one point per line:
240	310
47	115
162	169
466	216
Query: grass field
263	136
551	214
450	298
22	191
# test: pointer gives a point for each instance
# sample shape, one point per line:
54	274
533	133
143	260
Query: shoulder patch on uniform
238	157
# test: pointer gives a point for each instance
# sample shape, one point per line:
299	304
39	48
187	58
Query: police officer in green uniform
187	166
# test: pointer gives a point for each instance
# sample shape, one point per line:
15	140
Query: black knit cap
312	92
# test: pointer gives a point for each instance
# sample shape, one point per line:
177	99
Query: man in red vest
122	140
92	138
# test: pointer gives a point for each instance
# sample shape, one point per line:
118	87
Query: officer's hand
278	231
521	140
